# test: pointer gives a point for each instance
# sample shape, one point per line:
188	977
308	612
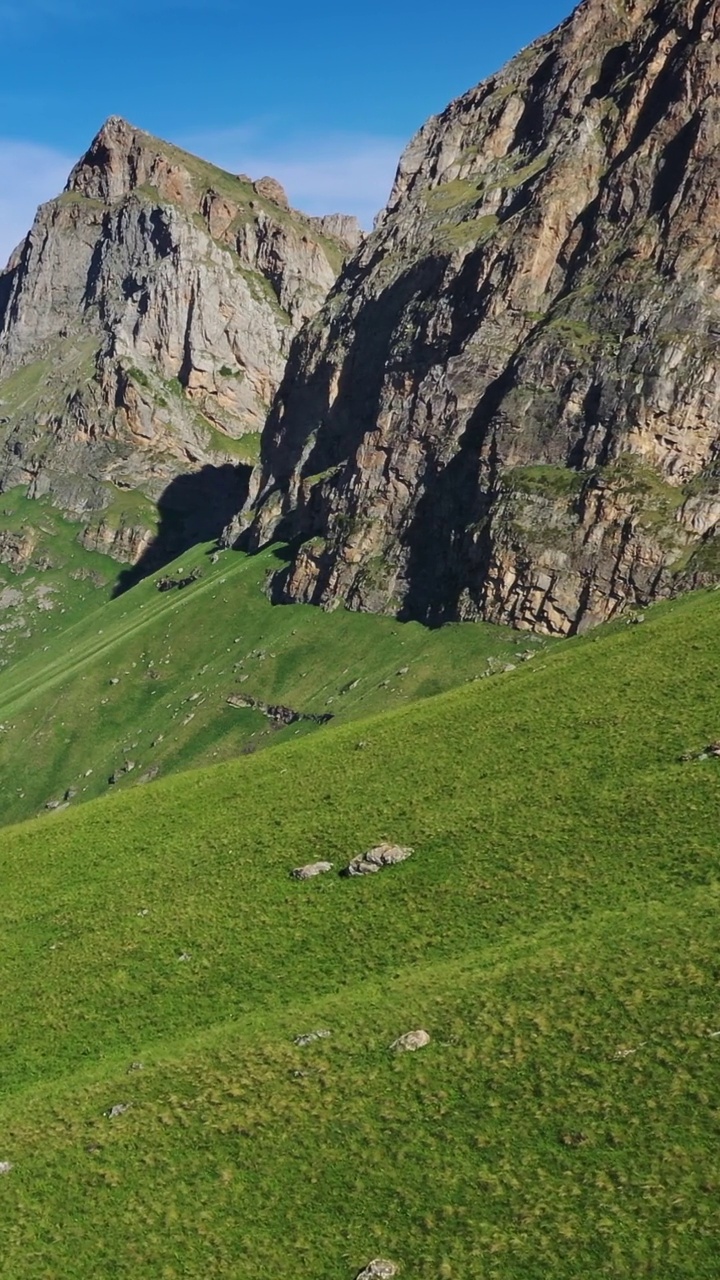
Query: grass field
145	679
555	932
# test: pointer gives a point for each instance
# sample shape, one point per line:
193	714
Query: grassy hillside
145	679
48	581
556	933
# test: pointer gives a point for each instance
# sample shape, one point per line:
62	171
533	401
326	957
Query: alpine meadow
359	726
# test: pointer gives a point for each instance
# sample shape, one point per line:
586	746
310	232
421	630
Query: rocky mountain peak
508	408
144	328
122	158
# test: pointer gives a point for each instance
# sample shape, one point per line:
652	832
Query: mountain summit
509	407
144	327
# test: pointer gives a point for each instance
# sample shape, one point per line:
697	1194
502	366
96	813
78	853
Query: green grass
549	481
244	448
178	656
58	585
556	932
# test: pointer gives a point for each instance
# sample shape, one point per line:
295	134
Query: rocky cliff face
144	328
509	406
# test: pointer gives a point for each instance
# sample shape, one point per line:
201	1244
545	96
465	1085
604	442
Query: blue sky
321	95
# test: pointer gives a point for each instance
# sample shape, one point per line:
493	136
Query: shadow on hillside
194	508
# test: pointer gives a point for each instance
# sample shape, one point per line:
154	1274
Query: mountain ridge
507	409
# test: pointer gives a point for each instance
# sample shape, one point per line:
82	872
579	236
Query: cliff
508	407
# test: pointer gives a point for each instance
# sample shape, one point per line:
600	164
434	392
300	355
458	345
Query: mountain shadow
194	508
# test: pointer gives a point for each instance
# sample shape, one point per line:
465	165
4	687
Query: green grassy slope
556	932
176	657
48	581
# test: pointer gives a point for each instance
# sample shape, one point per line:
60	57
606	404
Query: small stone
115	680
403	671
379	1269
184	957
5	1166
410	1042
136	1066
311	870
310	1038
118	1110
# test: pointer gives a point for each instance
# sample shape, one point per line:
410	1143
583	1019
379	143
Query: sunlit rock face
509	406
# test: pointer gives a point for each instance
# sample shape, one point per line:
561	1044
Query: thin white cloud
339	173
29	175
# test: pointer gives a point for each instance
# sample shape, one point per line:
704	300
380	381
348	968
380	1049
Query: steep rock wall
509	406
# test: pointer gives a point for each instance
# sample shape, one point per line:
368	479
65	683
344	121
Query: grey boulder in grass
411	1041
379	1269
311	870
383	855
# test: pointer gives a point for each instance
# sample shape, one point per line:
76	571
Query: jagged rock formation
508	408
144	327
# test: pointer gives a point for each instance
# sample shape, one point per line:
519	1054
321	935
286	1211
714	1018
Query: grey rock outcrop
383	855
509	406
145	323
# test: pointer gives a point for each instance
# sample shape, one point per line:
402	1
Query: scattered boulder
410	1042
5	1166
311	870
383	855
172	584
279	715
379	1269
150	774
310	1038
118	1110
271	189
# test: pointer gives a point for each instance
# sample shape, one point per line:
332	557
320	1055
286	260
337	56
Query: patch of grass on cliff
545	480
450	195
556	933
244	448
458	235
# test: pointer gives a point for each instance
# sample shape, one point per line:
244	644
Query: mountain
144	328
508	407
